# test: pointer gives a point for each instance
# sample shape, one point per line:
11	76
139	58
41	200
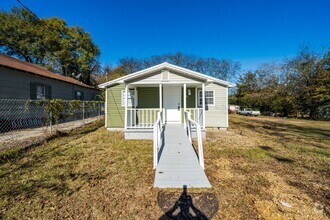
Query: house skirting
115	129
139	134
147	134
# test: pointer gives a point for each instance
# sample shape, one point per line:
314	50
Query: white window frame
200	96
131	92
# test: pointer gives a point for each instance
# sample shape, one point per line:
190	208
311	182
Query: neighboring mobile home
23	80
169	89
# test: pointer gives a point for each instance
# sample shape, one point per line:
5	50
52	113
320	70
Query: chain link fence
26	122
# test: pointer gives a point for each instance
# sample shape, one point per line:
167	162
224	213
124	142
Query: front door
172	104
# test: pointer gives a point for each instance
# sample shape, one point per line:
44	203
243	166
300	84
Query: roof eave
207	78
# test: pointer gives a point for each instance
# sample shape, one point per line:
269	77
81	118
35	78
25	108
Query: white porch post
184	103
161	99
196	97
135	97
184	97
203	101
196	111
126	103
227	123
105	107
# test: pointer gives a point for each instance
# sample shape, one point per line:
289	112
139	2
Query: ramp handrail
189	124
157	136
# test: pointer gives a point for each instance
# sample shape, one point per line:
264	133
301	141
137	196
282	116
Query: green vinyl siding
148	97
190	98
115	112
190	101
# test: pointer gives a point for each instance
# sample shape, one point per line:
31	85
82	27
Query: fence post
51	122
83	109
99	111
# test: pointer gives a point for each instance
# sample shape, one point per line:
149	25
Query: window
95	97
132	98
209	98
79	95
40	91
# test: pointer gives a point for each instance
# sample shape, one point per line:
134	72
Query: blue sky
249	31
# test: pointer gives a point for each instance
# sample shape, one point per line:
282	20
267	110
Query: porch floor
178	163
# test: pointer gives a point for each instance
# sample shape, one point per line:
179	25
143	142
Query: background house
23	80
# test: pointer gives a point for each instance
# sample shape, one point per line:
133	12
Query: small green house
133	102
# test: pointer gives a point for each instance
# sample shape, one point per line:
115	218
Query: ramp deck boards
178	163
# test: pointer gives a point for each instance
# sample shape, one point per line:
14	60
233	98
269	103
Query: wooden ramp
178	164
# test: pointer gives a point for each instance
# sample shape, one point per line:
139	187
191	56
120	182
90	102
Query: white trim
167	66
203	102
115	129
227	123
136	94
160	97
126	103
184	97
196	99
106	108
207	90
134	101
161	100
165	83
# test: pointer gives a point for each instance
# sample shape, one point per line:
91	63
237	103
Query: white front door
172	104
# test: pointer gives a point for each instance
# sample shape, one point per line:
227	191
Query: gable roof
167	66
13	63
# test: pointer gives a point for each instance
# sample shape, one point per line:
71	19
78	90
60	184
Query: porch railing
157	137
196	115
144	118
193	126
141	117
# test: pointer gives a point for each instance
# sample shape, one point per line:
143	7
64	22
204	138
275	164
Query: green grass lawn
94	173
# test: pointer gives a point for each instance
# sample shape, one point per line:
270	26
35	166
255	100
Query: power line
28	9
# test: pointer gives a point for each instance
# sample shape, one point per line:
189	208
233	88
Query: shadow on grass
285	130
28	174
17	153
266	148
184	208
283	159
271	153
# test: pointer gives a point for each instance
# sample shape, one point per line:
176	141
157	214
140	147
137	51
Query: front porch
140	121
146	102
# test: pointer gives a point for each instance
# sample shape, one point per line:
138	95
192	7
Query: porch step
178	163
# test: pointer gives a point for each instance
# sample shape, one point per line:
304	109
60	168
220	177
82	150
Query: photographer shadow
184	208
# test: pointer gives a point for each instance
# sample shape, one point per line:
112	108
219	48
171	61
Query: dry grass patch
83	175
257	168
261	162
